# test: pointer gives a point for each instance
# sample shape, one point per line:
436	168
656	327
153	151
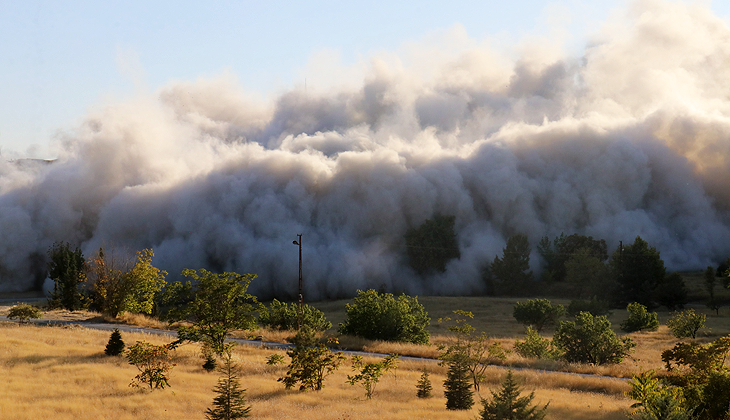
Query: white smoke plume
631	138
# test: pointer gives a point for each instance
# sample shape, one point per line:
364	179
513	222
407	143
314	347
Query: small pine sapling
458	392
115	346
231	401
508	405
424	386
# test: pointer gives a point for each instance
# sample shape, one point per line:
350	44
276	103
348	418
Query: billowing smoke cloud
630	139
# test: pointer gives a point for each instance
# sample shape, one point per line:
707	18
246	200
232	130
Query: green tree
469	348
66	268
594	306
672	292
230	403
639	269
587	273
536	346
556	254
370	373
216	305
656	401
512	271
538	313
458	392
24	312
424	385
153	363
310	364
686	323
590	339
282	316
115	345
379	316
145	282
507	404
639	319
710	287
431	245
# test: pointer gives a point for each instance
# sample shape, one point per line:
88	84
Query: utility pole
300	309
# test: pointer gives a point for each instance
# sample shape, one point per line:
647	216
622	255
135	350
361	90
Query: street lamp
299	310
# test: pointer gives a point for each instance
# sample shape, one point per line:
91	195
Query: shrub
24	313
424	385
370	373
309	364
538	313
379	316
230	402
639	319
507	404
115	346
654	400
536	346
153	363
686	323
282	316
275	359
672	292
590	339
594	306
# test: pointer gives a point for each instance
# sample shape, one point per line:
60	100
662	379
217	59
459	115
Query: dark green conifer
508	405
115	346
424	386
230	402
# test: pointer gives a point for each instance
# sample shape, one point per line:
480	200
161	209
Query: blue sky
59	59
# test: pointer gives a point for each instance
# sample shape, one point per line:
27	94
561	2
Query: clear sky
59	59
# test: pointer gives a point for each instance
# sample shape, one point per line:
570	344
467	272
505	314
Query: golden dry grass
61	373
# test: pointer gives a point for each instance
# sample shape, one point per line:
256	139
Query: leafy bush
507	403
536	346
590	339
424	385
538	313
639	319
379	316
370	373
153	363
310	364
654	400
115	346
594	306
24	312
282	316
686	323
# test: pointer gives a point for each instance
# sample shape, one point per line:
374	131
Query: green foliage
671	292
590	339
216	305
282	316
309	366
370	373
594	306
230	403
115	345
66	268
639	319
275	359
712	303
153	363
564	248
587	273
656	401
432	245
512	271
24	312
424	385
639	269
538	313
507	404
723	269
686	323
379	316
144	282
458	392
536	347
469	348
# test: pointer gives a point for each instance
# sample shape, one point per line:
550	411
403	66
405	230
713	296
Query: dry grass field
62	373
